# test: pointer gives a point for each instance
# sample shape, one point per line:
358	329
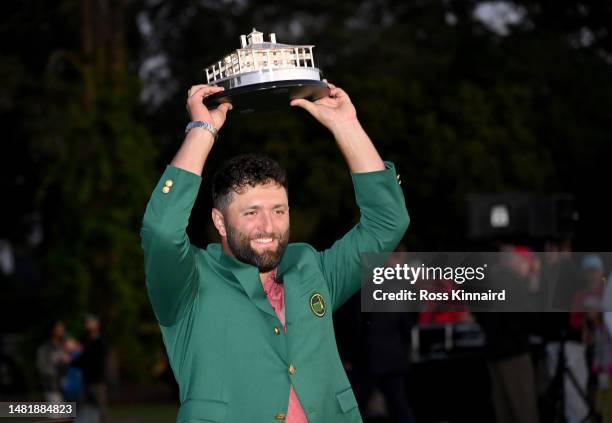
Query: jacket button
168	183
166	190
280	417
291	369
276	330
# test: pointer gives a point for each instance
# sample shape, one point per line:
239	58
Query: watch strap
202	124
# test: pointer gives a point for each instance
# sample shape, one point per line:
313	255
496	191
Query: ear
219	222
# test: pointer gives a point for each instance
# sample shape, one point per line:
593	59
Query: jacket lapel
246	275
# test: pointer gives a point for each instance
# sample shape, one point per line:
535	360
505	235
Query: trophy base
272	95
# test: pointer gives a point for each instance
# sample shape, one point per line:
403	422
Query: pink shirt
275	292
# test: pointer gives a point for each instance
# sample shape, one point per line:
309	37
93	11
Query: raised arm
338	114
199	141
170	269
384	218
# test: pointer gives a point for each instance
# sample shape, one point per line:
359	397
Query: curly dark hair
240	172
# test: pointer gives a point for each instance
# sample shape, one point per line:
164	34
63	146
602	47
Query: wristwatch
202	124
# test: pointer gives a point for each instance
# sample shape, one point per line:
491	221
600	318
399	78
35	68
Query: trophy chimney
255	37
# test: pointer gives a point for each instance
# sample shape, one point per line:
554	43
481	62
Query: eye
280	211
250	213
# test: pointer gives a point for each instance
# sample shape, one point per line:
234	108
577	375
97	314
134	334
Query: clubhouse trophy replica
264	75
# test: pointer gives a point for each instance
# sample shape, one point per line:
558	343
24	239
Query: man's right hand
198	111
198	143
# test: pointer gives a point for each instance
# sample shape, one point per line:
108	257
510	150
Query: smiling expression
255	225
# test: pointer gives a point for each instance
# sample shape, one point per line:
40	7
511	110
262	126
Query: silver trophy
265	75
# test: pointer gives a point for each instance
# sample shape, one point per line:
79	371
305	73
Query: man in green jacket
247	323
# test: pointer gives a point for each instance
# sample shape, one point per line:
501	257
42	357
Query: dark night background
464	96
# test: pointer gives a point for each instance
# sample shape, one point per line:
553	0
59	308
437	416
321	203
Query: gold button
280	417
166	190
291	369
168	183
276	330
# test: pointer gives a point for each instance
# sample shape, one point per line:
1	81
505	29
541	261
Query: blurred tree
463	96
76	112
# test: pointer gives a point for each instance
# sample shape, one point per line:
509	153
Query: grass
143	413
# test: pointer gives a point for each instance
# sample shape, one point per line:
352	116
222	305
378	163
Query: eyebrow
276	206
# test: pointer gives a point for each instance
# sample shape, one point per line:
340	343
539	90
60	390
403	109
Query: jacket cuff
379	185
176	191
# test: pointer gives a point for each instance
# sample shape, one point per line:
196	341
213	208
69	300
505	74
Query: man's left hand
332	111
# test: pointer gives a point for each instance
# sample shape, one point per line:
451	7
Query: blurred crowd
540	366
574	345
75	370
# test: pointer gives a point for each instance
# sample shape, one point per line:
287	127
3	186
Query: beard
240	245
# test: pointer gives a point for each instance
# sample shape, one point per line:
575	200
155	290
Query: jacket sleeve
383	222
169	257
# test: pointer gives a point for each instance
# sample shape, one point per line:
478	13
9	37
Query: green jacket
226	346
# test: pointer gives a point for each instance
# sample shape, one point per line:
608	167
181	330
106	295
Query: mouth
264	242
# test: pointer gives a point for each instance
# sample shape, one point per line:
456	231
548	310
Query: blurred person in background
602	361
577	337
442	312
560	278
586	304
92	362
375	351
72	382
607	305
387	338
51	361
384	363
507	342
388	343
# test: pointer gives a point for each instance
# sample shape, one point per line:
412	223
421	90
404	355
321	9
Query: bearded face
262	250
255	225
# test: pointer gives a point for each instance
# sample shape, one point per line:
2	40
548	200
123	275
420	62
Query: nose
266	223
